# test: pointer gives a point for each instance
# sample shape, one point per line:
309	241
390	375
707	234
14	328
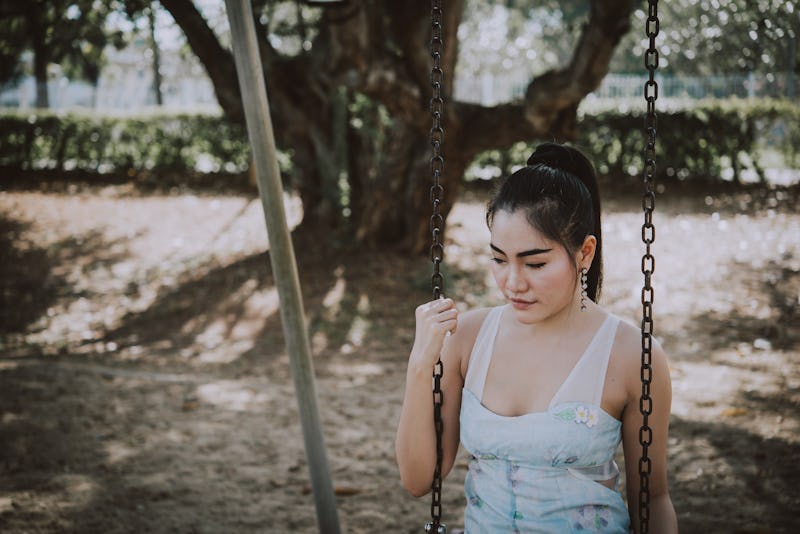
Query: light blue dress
539	472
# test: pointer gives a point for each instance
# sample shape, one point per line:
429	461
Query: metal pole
284	268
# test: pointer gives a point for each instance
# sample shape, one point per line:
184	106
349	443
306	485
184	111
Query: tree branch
217	60
551	101
559	91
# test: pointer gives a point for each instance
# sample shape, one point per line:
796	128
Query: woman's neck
563	323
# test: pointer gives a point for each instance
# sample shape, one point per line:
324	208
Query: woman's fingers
446	320
436	306
435	320
436	311
437	317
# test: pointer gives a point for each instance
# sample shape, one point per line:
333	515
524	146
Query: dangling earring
584	287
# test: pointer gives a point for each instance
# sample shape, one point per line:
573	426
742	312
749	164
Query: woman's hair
558	192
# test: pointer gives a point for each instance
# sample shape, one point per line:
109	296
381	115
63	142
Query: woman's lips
521	304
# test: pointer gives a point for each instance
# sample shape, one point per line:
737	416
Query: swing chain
648	264
436	137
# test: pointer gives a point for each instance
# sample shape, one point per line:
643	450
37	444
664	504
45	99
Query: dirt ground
144	385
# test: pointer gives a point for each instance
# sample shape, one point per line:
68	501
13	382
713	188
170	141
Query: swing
648	260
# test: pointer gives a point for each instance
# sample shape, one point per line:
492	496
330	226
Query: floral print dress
540	472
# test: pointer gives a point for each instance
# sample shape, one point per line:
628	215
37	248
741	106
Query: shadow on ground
712	462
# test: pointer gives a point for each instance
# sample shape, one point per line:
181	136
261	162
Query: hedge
50	141
710	140
713	140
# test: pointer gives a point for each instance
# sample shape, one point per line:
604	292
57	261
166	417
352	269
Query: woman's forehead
512	232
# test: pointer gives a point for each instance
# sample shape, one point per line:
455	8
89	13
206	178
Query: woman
539	391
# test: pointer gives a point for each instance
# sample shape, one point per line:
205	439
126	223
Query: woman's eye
498	260
535	265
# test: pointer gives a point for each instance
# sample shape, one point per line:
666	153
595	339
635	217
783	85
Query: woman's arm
662	513
416	436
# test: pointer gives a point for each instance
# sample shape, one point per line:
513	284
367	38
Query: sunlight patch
231	395
359	373
319	342
81	489
333	299
118	452
358	328
226	353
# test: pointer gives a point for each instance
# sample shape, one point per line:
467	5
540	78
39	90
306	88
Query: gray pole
284	268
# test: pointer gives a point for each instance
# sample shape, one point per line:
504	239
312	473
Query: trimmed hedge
50	141
710	140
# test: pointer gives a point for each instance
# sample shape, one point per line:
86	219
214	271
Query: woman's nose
515	282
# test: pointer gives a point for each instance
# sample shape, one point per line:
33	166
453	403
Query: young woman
540	391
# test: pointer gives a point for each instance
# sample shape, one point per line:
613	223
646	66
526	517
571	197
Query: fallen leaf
338	490
733	412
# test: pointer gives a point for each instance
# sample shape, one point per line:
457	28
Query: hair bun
547	153
562	157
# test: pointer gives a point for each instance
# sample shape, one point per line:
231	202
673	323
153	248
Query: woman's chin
528	314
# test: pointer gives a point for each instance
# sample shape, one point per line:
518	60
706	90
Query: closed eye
535	265
498	260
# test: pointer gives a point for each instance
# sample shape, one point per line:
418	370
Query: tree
156	65
708	37
372	58
66	32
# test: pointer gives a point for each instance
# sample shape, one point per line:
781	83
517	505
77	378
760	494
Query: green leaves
172	142
712	140
718	37
709	139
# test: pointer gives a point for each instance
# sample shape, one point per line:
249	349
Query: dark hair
558	191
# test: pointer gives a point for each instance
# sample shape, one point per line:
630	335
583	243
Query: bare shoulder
460	343
469	324
471	320
627	357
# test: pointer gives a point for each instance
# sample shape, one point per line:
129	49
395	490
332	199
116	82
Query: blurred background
144	384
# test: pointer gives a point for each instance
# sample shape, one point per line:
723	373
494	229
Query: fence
129	87
125	85
490	90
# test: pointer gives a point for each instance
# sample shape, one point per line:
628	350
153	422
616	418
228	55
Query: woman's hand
435	320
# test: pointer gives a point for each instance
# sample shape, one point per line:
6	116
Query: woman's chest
567	435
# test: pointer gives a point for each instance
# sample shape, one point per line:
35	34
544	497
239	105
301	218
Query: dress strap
586	381
481	353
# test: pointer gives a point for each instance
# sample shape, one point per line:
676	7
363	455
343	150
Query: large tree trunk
380	49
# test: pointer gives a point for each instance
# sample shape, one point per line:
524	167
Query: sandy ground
144	385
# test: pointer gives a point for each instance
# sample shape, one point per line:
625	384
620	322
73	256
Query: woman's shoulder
473	319
460	342
627	351
469	324
629	339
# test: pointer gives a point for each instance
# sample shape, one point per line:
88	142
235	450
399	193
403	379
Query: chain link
436	137
648	264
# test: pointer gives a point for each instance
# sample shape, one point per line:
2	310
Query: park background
144	383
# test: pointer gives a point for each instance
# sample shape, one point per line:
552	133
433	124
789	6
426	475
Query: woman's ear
585	254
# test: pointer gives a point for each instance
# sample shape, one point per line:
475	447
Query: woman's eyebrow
532	252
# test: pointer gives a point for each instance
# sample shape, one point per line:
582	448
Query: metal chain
437	249
648	265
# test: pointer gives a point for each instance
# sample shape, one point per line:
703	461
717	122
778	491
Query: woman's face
538	276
